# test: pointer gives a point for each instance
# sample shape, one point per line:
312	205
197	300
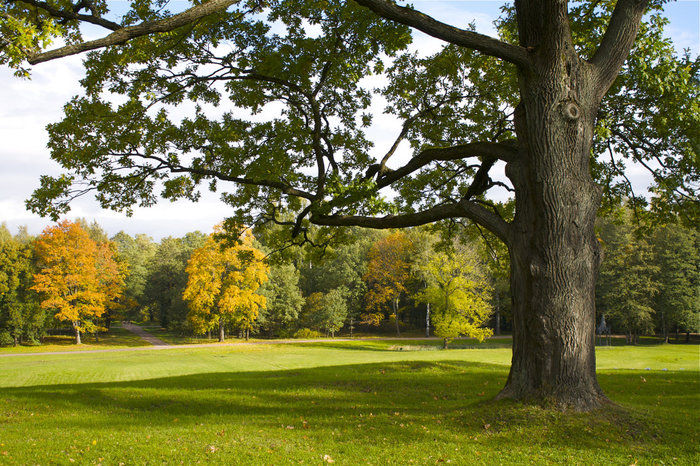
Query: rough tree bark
555	255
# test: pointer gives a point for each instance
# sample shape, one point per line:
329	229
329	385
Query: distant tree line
448	281
649	281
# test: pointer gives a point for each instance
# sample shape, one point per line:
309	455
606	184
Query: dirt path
143	334
165	346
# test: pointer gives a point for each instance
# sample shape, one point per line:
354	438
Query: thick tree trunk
222	336
555	255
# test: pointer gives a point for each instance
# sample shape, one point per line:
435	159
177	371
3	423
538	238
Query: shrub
6	339
307	333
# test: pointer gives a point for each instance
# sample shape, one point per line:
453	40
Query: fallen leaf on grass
328	459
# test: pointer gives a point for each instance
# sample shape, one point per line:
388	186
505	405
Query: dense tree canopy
77	278
222	285
20	314
388	272
459	290
167	279
273	106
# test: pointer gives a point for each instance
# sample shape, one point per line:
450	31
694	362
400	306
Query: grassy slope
355	402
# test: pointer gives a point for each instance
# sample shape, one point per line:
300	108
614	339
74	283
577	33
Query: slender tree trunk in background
663	326
77	333
208	334
222	336
395	303
444	343
498	315
247	334
427	320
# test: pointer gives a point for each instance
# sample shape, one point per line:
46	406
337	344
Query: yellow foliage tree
112	276
223	283
388	271
459	290
77	278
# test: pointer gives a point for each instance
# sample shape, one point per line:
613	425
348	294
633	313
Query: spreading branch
127	33
617	41
469	39
463	208
487	150
73	15
210	173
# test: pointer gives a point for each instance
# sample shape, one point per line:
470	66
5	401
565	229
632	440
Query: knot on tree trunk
571	110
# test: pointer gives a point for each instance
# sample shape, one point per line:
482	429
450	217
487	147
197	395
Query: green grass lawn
117	337
363	402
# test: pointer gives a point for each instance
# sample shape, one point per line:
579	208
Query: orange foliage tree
223	283
388	270
77	279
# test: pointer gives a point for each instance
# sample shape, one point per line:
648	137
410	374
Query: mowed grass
361	402
117	337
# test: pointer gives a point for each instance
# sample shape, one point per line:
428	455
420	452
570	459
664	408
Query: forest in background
370	282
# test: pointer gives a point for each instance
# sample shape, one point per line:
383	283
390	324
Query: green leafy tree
554	98
137	251
627	284
334	310
677	253
459	291
312	311
344	265
284	300
20	314
167	279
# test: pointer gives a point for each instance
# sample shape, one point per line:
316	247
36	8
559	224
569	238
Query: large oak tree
554	99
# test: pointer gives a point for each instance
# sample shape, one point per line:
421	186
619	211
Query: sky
27	106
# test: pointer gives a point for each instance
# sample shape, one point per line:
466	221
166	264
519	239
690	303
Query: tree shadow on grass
417	400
